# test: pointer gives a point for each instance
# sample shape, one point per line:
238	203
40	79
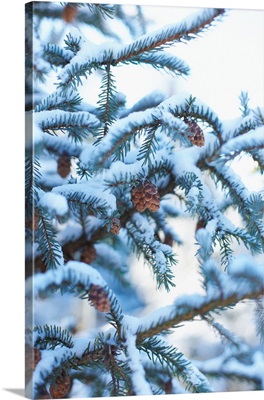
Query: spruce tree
106	184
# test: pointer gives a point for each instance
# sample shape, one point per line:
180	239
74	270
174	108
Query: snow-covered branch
140	385
228	366
244	281
184	30
78	276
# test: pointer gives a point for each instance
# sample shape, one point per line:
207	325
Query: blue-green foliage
111	148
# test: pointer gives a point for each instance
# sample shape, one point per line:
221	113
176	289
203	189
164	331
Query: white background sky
249	77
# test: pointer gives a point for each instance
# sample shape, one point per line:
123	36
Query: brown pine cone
88	253
168	387
42	266
64	165
32	357
201	223
137	197
32	222
115	226
61	387
99	298
151	196
145	196
35	220
198	137
168	239
69	13
37	357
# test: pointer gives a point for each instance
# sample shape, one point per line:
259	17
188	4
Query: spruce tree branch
205	114
121	179
175	363
55	101
108	98
91	357
252	140
121	141
87	196
83	215
100	356
183	314
231	365
78	277
94	17
118	372
32	176
59	360
168	115
160	257
145	44
247	149
164	62
139	383
64	359
104	10
54	120
245	127
56	56
223	332
241	197
233	374
179	32
107	106
87	207
46	239
259	115
72	246
51	336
